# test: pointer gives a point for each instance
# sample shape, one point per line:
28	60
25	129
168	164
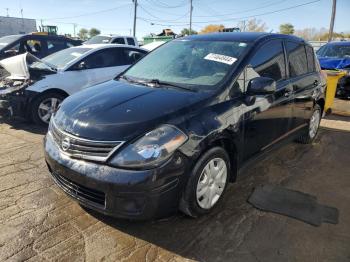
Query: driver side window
268	61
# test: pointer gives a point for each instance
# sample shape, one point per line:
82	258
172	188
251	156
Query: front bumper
118	192
5	108
16	104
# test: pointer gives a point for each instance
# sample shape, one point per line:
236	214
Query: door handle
288	93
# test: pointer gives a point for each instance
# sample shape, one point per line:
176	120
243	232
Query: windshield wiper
157	83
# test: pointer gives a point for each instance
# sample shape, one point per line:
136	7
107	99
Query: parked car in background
175	128
336	55
112	39
36	87
38	45
153	45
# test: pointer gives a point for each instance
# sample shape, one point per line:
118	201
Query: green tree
186	31
93	32
83	34
287	29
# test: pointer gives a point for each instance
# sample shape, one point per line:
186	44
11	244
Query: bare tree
256	25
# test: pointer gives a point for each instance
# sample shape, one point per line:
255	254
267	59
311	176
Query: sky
116	16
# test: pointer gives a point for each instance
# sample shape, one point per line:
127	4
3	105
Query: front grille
80	192
77	147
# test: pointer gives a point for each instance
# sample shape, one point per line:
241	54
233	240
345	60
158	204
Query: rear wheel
207	183
44	106
314	124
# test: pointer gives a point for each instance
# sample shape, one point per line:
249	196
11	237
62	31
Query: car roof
242	36
102	46
112	35
339	43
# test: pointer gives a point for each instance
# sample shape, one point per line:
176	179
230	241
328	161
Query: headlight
151	150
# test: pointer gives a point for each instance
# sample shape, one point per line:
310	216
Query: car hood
334	63
116	110
18	67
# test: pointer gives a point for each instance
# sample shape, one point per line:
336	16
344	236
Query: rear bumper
118	192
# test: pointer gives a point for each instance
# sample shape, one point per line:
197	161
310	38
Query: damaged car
36	87
336	56
174	129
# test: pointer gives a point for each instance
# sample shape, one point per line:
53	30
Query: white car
112	39
36	87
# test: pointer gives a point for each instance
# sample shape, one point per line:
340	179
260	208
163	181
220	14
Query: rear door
303	79
269	118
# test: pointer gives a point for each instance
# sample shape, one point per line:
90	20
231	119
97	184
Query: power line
88	14
160	19
243	11
245	17
164	5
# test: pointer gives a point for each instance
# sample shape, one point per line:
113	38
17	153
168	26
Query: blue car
336	55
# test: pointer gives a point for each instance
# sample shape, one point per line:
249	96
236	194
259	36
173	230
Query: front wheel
44	106
207	183
314	124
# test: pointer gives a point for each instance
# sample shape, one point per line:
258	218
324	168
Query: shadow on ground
25	125
235	231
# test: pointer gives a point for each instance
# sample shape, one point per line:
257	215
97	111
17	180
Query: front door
269	118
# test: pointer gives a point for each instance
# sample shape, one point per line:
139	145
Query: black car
38	45
173	130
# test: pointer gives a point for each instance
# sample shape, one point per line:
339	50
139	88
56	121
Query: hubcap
211	183
47	107
314	123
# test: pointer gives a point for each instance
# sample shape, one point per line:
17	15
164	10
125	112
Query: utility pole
7	12
74	27
135	13
331	26
191	9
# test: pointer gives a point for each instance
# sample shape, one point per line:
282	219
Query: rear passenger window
268	61
118	41
310	59
131	41
55	45
297	59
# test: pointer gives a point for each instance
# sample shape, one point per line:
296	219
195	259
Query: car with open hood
174	129
336	56
36	87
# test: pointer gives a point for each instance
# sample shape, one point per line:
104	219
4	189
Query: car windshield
99	39
197	63
338	51
61	58
4	41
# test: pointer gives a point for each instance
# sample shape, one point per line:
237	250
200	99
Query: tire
194	204
313	127
38	108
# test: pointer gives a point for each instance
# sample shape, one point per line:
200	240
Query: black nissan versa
173	130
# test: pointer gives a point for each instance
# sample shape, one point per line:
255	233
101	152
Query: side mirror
82	66
11	52
261	86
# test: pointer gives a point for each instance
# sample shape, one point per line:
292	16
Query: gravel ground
39	222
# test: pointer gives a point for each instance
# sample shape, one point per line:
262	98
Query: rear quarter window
310	59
